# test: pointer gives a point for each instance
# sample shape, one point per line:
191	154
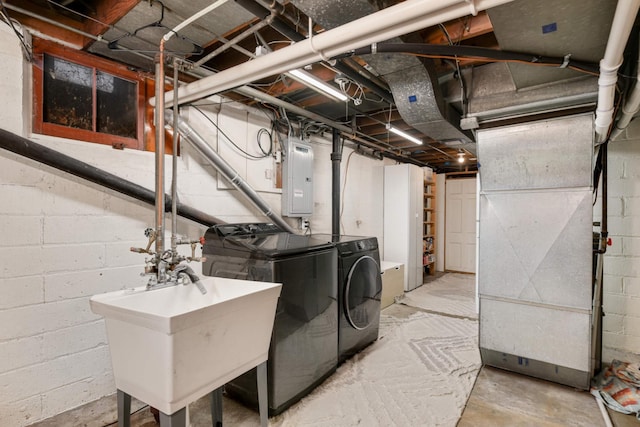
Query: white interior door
460	225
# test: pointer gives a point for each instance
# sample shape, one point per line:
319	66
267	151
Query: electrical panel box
297	180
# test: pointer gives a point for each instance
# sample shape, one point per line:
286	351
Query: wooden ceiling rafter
459	29
108	12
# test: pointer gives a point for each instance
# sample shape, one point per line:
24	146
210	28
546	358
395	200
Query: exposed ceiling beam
71	38
107	12
460	29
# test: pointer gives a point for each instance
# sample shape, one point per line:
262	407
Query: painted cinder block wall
622	262
63	240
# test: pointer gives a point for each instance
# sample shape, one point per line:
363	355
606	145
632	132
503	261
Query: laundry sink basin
173	345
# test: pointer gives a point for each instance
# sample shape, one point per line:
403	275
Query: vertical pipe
336	157
605	192
159	112
623	19
174	165
604	234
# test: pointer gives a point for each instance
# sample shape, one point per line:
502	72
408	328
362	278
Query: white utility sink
173	345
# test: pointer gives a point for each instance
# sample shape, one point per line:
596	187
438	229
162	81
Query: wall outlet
304	224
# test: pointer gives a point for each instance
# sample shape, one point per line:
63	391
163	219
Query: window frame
44	47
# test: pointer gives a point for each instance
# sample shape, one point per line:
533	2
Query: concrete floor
498	398
501	398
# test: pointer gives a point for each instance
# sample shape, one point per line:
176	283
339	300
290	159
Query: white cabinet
403	220
392	282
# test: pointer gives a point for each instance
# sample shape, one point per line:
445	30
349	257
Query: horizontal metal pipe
347	131
190	135
385	149
34	151
233	41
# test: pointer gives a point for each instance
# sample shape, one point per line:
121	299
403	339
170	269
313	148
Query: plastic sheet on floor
618	387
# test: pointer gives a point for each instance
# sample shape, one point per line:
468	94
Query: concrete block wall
64	239
621	299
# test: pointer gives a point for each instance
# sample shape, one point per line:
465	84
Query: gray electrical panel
297	179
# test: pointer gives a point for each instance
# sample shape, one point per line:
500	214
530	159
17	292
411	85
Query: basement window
83	97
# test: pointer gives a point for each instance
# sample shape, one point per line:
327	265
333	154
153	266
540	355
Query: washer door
361	299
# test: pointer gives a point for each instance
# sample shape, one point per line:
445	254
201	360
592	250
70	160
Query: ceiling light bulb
460	157
403	134
315	83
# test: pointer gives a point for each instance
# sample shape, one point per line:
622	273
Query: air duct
413	82
402	18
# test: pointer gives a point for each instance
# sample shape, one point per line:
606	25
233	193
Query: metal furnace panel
545	334
546	154
536	246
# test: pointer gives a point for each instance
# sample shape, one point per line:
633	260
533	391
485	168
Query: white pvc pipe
394	21
629	108
623	20
605	414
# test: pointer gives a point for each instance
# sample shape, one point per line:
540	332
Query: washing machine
359	292
304	343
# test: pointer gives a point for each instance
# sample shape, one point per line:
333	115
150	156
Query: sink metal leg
216	407
263	404
124	409
177	419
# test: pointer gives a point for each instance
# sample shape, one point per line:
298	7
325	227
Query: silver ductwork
413	81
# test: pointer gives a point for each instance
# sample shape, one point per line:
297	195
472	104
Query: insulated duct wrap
412	81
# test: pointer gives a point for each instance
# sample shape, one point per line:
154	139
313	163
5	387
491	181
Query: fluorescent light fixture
404	135
317	84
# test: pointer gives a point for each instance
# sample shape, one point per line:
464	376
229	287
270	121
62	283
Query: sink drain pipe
45	155
205	150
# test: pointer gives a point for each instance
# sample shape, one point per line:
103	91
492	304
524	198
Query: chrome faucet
185	270
166	269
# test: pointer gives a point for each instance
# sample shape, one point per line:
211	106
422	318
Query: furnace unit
535	252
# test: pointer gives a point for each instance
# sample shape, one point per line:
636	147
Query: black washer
304	342
359	292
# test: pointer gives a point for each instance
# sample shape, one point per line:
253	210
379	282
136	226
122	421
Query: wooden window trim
41	47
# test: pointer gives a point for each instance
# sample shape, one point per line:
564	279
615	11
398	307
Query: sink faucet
185	270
